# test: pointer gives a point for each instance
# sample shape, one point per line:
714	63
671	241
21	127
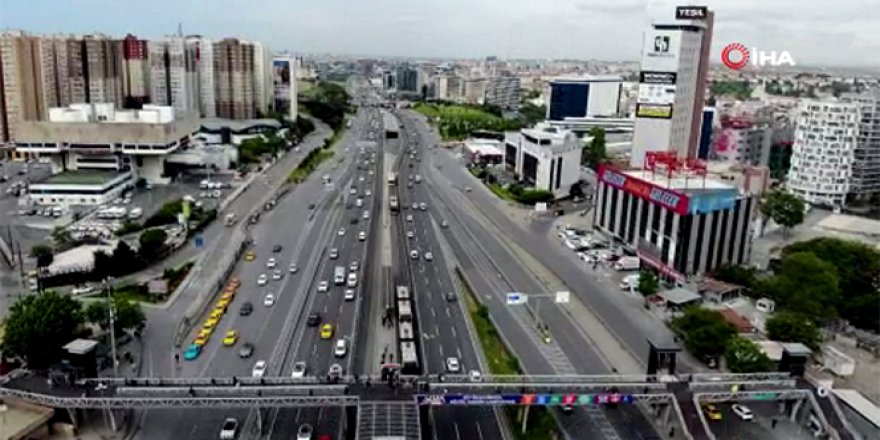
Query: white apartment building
544	157
173	75
263	88
503	92
204	50
96	150
836	152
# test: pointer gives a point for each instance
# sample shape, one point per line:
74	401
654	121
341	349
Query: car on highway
368	192
276	275
202	338
354	266
299	369
354	190
261	280
334	253
246	309
217	313
340	348
742	411
323	286
222	303
429	256
366	215
414	254
259	369
349	294
228	295
414	206
409	218
335	371
452	365
313	319
277	248
192	352
246	350
341	232
210	323
327	331
450	296
409	184
249	256
229	429
444	224
476	376
362	235
410	234
712	412
311	205
423	206
231	338
270	263
292	268
304	432
269	300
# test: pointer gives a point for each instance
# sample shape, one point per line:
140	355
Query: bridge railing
295	390
737	377
206	381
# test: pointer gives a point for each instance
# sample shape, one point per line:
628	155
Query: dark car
246	350
312	205
246	309
313	320
450	296
277	248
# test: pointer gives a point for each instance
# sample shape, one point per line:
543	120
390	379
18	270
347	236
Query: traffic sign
516	298
562	297
199	241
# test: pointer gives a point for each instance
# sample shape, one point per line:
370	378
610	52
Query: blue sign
199	241
717	200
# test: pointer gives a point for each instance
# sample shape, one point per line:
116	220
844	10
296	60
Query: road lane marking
479	431
433	314
453	332
457	432
448	314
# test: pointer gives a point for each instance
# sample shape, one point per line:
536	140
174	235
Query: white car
229	429
341	348
414	254
299	370
415	206
429	256
366	215
409	234
742	411
423	206
271	263
304	432
334	253
362	235
353	191
476	376
276	275
259	369
368	192
452	365
261	280
409	218
341	232
269	300
354	266
292	268
349	294
323	286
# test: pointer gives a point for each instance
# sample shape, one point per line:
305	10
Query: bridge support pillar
110	418
667	410
260	420
794	409
71	412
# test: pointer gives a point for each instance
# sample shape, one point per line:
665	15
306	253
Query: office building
740	140
406	79
706	133
836	151
284	85
233	78
135	72
674	218
96	150
503	92
474	90
672	86
544	157
584	97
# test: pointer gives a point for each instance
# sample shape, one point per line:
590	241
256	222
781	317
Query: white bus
402	292
405	331
404	311
339	275
409	359
392	178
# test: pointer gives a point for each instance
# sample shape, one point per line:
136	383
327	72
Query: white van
627	263
352	279
135	213
630	282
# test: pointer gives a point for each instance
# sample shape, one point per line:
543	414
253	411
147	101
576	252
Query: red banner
667	198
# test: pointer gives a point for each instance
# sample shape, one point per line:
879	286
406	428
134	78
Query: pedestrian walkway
388	420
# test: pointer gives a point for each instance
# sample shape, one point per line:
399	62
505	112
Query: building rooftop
588	78
238	126
80	346
850	224
20	419
81	177
679	296
740	322
484	147
688	184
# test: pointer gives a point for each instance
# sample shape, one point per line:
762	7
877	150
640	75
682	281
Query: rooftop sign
669	199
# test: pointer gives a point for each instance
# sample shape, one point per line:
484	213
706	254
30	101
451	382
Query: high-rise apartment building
233	79
866	157
503	92
672	86
263	87
20	78
103	69
204	57
135	72
173	74
407	79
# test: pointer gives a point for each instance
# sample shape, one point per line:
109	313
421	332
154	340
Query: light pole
111	308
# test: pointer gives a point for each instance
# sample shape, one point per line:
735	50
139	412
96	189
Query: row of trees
38	326
457	121
328	102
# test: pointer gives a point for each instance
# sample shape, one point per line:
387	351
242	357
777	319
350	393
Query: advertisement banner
523	399
661	50
655	111
691	13
653	77
658	94
669	199
281	72
713	201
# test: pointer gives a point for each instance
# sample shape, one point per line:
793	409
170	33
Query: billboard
661	50
691	13
667	198
282	70
523	399
715	200
654	111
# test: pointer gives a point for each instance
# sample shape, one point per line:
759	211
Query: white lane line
458	350
433	313
457	432
320	415
325	308
298	411
479	431
448	314
453	332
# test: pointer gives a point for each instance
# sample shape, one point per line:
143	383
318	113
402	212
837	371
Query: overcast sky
814	32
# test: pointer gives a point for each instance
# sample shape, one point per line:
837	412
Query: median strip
540	424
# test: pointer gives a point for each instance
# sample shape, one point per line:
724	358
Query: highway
490	262
442	323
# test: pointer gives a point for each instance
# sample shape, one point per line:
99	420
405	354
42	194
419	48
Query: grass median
315	158
541	424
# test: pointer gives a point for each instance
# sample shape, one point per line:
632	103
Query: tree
576	191
152	243
858	267
129	315
739	275
38	326
744	356
648	283
125	260
43	254
806	285
594	153
793	327
705	331
784	208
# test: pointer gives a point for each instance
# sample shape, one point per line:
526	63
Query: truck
339	275
627	263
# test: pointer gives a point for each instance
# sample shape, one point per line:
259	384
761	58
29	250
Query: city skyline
440	30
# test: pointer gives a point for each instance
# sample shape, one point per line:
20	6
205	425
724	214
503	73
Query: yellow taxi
228	295
712	412
326	331
217	313
249	256
201	339
206	332
210	323
222	303
234	283
231	338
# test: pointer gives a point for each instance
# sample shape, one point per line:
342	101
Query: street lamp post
112	315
